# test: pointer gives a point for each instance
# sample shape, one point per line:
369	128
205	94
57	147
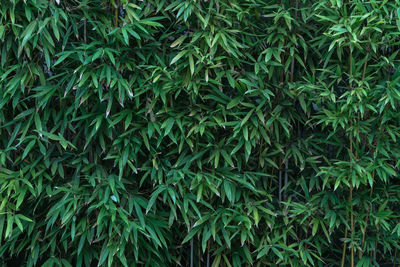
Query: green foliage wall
199	132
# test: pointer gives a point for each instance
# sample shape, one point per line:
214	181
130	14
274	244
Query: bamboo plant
199	133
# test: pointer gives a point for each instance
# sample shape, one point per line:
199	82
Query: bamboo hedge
199	133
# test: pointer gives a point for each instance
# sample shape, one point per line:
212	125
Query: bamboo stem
351	169
352	223
351	182
351	201
84	30
199	251
364	67
280	184
116	14
286	180
351	69
347	218
208	253
191	252
259	154
271	180
373	174
366	219
345	244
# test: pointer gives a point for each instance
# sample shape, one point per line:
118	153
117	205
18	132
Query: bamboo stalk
280	182
116	14
373	173
208	253
291	81
84	30
199	252
350	199
286	180
351	169
366	219
271	180
259	154
191	252
351	182
352	223
345	244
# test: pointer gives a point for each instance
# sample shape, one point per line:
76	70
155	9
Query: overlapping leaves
199	133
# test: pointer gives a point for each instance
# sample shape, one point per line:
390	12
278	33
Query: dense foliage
199	132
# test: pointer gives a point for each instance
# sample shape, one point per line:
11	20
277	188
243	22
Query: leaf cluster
199	133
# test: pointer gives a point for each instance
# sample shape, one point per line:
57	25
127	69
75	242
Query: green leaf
28	148
178	41
191	64
227	158
234	102
27	34
178	56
